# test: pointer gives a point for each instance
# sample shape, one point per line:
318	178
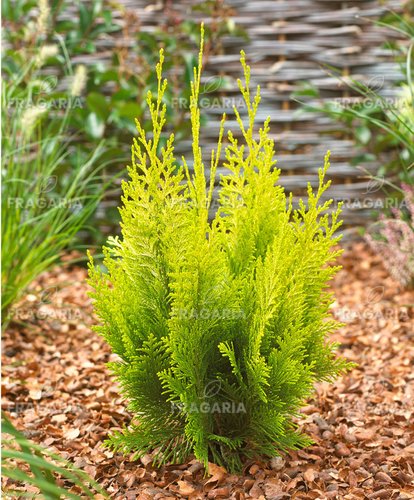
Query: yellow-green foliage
221	325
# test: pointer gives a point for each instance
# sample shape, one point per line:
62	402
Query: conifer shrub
221	326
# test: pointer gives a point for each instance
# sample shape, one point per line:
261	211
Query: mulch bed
57	388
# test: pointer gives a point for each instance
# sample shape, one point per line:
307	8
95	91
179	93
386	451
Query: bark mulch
57	388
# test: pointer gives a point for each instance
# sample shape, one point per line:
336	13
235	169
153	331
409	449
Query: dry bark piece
277	463
342	450
185	488
380	494
71	434
217	475
222	492
273	487
309	475
383	477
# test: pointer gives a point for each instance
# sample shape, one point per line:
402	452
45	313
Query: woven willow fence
289	42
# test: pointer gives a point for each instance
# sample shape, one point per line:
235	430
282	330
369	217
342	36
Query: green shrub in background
221	327
24	463
115	85
44	205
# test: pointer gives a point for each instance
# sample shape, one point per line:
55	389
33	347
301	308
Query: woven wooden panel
290	41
